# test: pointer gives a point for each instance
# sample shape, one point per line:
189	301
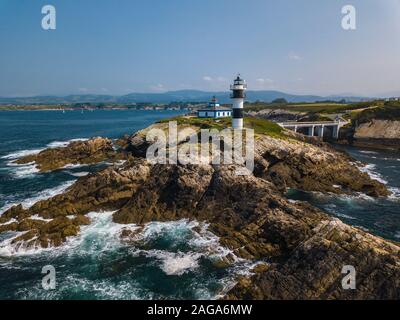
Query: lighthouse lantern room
238	95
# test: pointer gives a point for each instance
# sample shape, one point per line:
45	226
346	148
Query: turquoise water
169	260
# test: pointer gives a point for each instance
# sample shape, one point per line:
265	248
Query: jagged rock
304	247
107	190
313	269
77	152
304	166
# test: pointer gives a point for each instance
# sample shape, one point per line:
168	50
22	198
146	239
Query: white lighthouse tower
238	95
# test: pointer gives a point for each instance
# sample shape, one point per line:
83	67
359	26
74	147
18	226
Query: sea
173	260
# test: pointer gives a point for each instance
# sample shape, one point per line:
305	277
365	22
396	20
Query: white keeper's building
214	110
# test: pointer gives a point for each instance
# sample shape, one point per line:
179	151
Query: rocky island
300	250
87	152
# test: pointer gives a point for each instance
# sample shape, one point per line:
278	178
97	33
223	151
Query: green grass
389	111
203	123
260	126
322	108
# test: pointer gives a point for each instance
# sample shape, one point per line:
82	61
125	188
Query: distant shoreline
94	109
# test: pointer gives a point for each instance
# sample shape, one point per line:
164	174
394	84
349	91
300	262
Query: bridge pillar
295	129
311	131
336	131
320	131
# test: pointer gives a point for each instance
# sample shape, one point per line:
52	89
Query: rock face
106	190
77	152
373	133
312	270
304	166
378	129
303	250
378	133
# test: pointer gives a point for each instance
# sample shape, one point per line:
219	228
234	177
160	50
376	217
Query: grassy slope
260	126
387	111
324	108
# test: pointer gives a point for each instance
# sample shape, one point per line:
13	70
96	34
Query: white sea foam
342	215
368	152
102	236
78	174
103	289
356	196
37	217
202	242
8	248
117	163
93	239
62	144
21	154
362	228
370	170
397	235
173	263
395	193
24	170
74	166
8	222
42	195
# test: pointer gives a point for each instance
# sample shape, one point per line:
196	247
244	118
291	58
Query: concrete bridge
318	128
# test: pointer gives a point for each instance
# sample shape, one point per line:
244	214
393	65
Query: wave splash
29	170
103	266
42	195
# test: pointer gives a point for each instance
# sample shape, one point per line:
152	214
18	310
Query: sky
120	47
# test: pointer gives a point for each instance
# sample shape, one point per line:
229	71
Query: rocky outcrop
313	270
294	161
378	133
305	166
302	249
61	216
76	153
378	129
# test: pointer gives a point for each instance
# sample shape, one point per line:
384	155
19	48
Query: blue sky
118	47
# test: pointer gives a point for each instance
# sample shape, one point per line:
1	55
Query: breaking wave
26	170
42	195
52	145
112	268
62	144
21	154
370	170
29	169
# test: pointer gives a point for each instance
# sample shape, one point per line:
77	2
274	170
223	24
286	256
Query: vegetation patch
388	111
260	126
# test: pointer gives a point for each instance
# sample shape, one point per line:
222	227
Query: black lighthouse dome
238	88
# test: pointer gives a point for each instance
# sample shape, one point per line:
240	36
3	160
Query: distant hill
172	96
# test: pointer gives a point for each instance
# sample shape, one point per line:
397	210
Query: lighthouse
238	95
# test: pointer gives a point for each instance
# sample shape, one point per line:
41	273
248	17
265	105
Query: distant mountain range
172	96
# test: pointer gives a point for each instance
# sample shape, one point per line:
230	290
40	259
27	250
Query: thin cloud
263	81
158	87
214	79
294	57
